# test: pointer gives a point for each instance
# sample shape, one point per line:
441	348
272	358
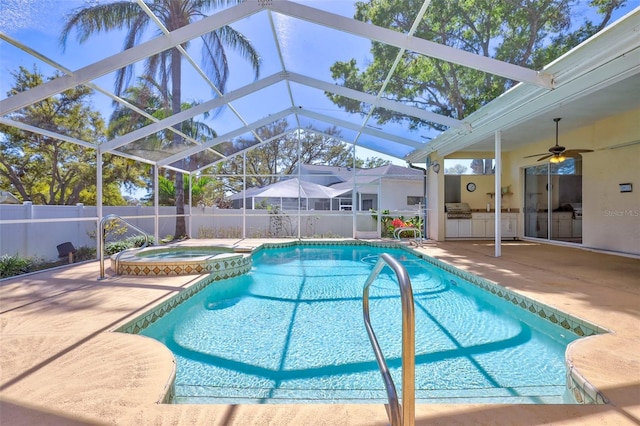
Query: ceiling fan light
557	159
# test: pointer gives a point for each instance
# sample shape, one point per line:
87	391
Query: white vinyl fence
34	231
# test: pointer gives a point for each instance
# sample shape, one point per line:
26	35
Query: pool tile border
569	322
136	325
138	265
582	391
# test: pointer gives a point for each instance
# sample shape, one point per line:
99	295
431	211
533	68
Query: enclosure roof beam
226	16
358	128
414	44
128	57
374	100
271	80
192	112
242	151
227	136
47	133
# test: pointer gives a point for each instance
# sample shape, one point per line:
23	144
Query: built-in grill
457	210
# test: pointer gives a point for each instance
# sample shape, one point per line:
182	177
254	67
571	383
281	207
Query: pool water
292	331
177	254
180	254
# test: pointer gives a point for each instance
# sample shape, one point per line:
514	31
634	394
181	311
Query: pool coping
130	262
52	332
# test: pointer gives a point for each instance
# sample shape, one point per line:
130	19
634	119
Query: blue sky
37	23
307	48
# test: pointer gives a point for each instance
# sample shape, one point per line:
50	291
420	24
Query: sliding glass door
553	201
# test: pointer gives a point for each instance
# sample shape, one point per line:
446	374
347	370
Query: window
553	201
345	204
414	201
322	204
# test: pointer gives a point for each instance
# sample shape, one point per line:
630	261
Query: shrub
230	232
112	229
138	240
131	242
115	247
85	253
13	265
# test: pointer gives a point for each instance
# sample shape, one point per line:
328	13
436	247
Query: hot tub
165	261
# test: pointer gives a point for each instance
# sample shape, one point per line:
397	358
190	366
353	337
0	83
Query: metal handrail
408	414
417	233
103	221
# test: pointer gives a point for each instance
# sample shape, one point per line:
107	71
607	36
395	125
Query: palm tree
166	66
200	187
148	97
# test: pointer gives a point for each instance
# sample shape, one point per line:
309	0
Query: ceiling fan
558	152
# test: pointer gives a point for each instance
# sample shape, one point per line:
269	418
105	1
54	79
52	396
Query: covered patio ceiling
598	78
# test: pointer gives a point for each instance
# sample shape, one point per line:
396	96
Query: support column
190	229
354	196
156	205
300	188
244	200
498	193
99	232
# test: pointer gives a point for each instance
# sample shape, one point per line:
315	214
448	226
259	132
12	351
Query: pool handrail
417	233
103	221
407	416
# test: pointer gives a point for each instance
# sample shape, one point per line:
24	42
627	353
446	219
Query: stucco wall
611	220
395	191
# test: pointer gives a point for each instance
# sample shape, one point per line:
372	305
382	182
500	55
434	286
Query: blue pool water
292	331
177	254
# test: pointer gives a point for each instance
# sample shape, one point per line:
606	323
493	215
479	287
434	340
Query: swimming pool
291	331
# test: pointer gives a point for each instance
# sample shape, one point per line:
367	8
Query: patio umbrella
290	188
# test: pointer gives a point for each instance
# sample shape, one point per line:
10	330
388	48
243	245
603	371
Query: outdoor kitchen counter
481	225
493	211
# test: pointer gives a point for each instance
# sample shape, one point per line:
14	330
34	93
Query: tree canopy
165	68
528	33
280	156
45	170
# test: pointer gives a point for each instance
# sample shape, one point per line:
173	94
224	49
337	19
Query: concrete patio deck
61	364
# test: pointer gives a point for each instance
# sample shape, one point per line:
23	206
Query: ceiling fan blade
575	152
579	150
545	157
535	155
